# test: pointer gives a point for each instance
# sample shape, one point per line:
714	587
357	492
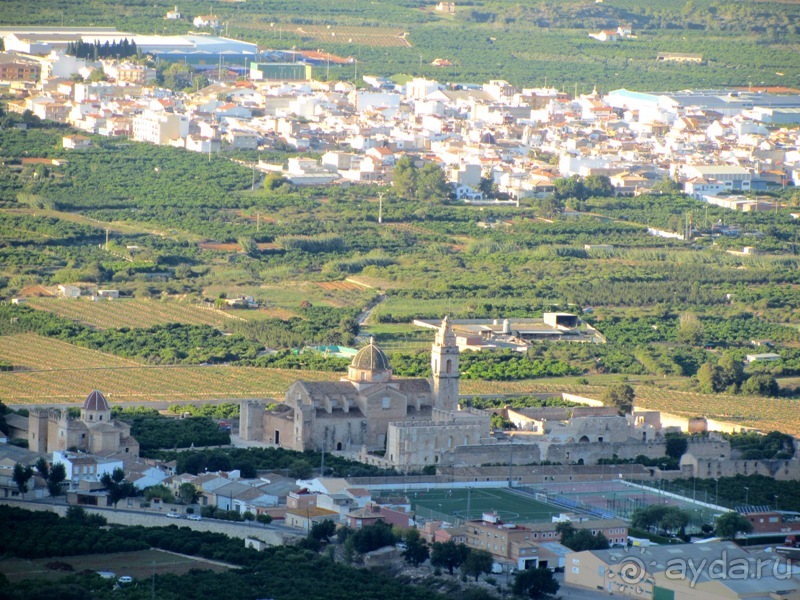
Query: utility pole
380	207
253	186
510	462
258	222
106	247
322	456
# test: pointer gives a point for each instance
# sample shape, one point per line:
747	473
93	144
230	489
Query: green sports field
471	503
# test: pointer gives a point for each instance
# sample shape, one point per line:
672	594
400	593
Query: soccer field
471	503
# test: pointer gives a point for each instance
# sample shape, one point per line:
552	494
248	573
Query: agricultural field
30	352
139	565
341	286
289	295
399	337
131	312
143	384
401	309
58	372
378	37
766	414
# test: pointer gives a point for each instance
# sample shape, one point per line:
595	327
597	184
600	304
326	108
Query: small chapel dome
371	357
370	364
96	401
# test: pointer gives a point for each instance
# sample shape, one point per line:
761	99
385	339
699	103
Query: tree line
122	49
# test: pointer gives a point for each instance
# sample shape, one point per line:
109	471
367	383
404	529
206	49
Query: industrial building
715	570
193	49
517	333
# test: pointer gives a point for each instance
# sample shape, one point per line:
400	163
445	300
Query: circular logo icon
631	570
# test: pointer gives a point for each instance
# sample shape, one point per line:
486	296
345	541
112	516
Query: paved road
570	592
362	318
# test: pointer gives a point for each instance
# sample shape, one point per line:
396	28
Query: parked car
125	579
173	515
194	517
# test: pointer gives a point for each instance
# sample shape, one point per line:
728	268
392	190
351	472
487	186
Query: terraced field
30	352
130	312
767	414
380	37
59	372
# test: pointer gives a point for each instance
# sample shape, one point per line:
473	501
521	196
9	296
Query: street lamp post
747	496
716	494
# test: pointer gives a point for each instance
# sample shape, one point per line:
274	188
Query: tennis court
615	498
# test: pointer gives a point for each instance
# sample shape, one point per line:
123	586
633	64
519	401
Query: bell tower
444	368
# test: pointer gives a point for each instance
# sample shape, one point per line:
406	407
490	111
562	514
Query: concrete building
516	334
206	21
17	68
76	142
712	571
733	177
159	128
85	467
519	543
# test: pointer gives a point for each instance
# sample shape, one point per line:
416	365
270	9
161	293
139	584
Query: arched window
448	367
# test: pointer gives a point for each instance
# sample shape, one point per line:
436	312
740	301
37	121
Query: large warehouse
194	49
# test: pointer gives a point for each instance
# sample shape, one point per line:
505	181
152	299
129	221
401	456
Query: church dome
370	364
371	358
96	401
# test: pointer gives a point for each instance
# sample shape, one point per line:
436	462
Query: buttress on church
413	421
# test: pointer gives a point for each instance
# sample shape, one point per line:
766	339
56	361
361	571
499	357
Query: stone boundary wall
272	537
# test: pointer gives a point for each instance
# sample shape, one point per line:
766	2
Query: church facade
361	412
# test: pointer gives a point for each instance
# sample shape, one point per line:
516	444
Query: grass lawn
788	382
139	565
472	503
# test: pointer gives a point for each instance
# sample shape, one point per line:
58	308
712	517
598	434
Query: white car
173	515
125	579
194	517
